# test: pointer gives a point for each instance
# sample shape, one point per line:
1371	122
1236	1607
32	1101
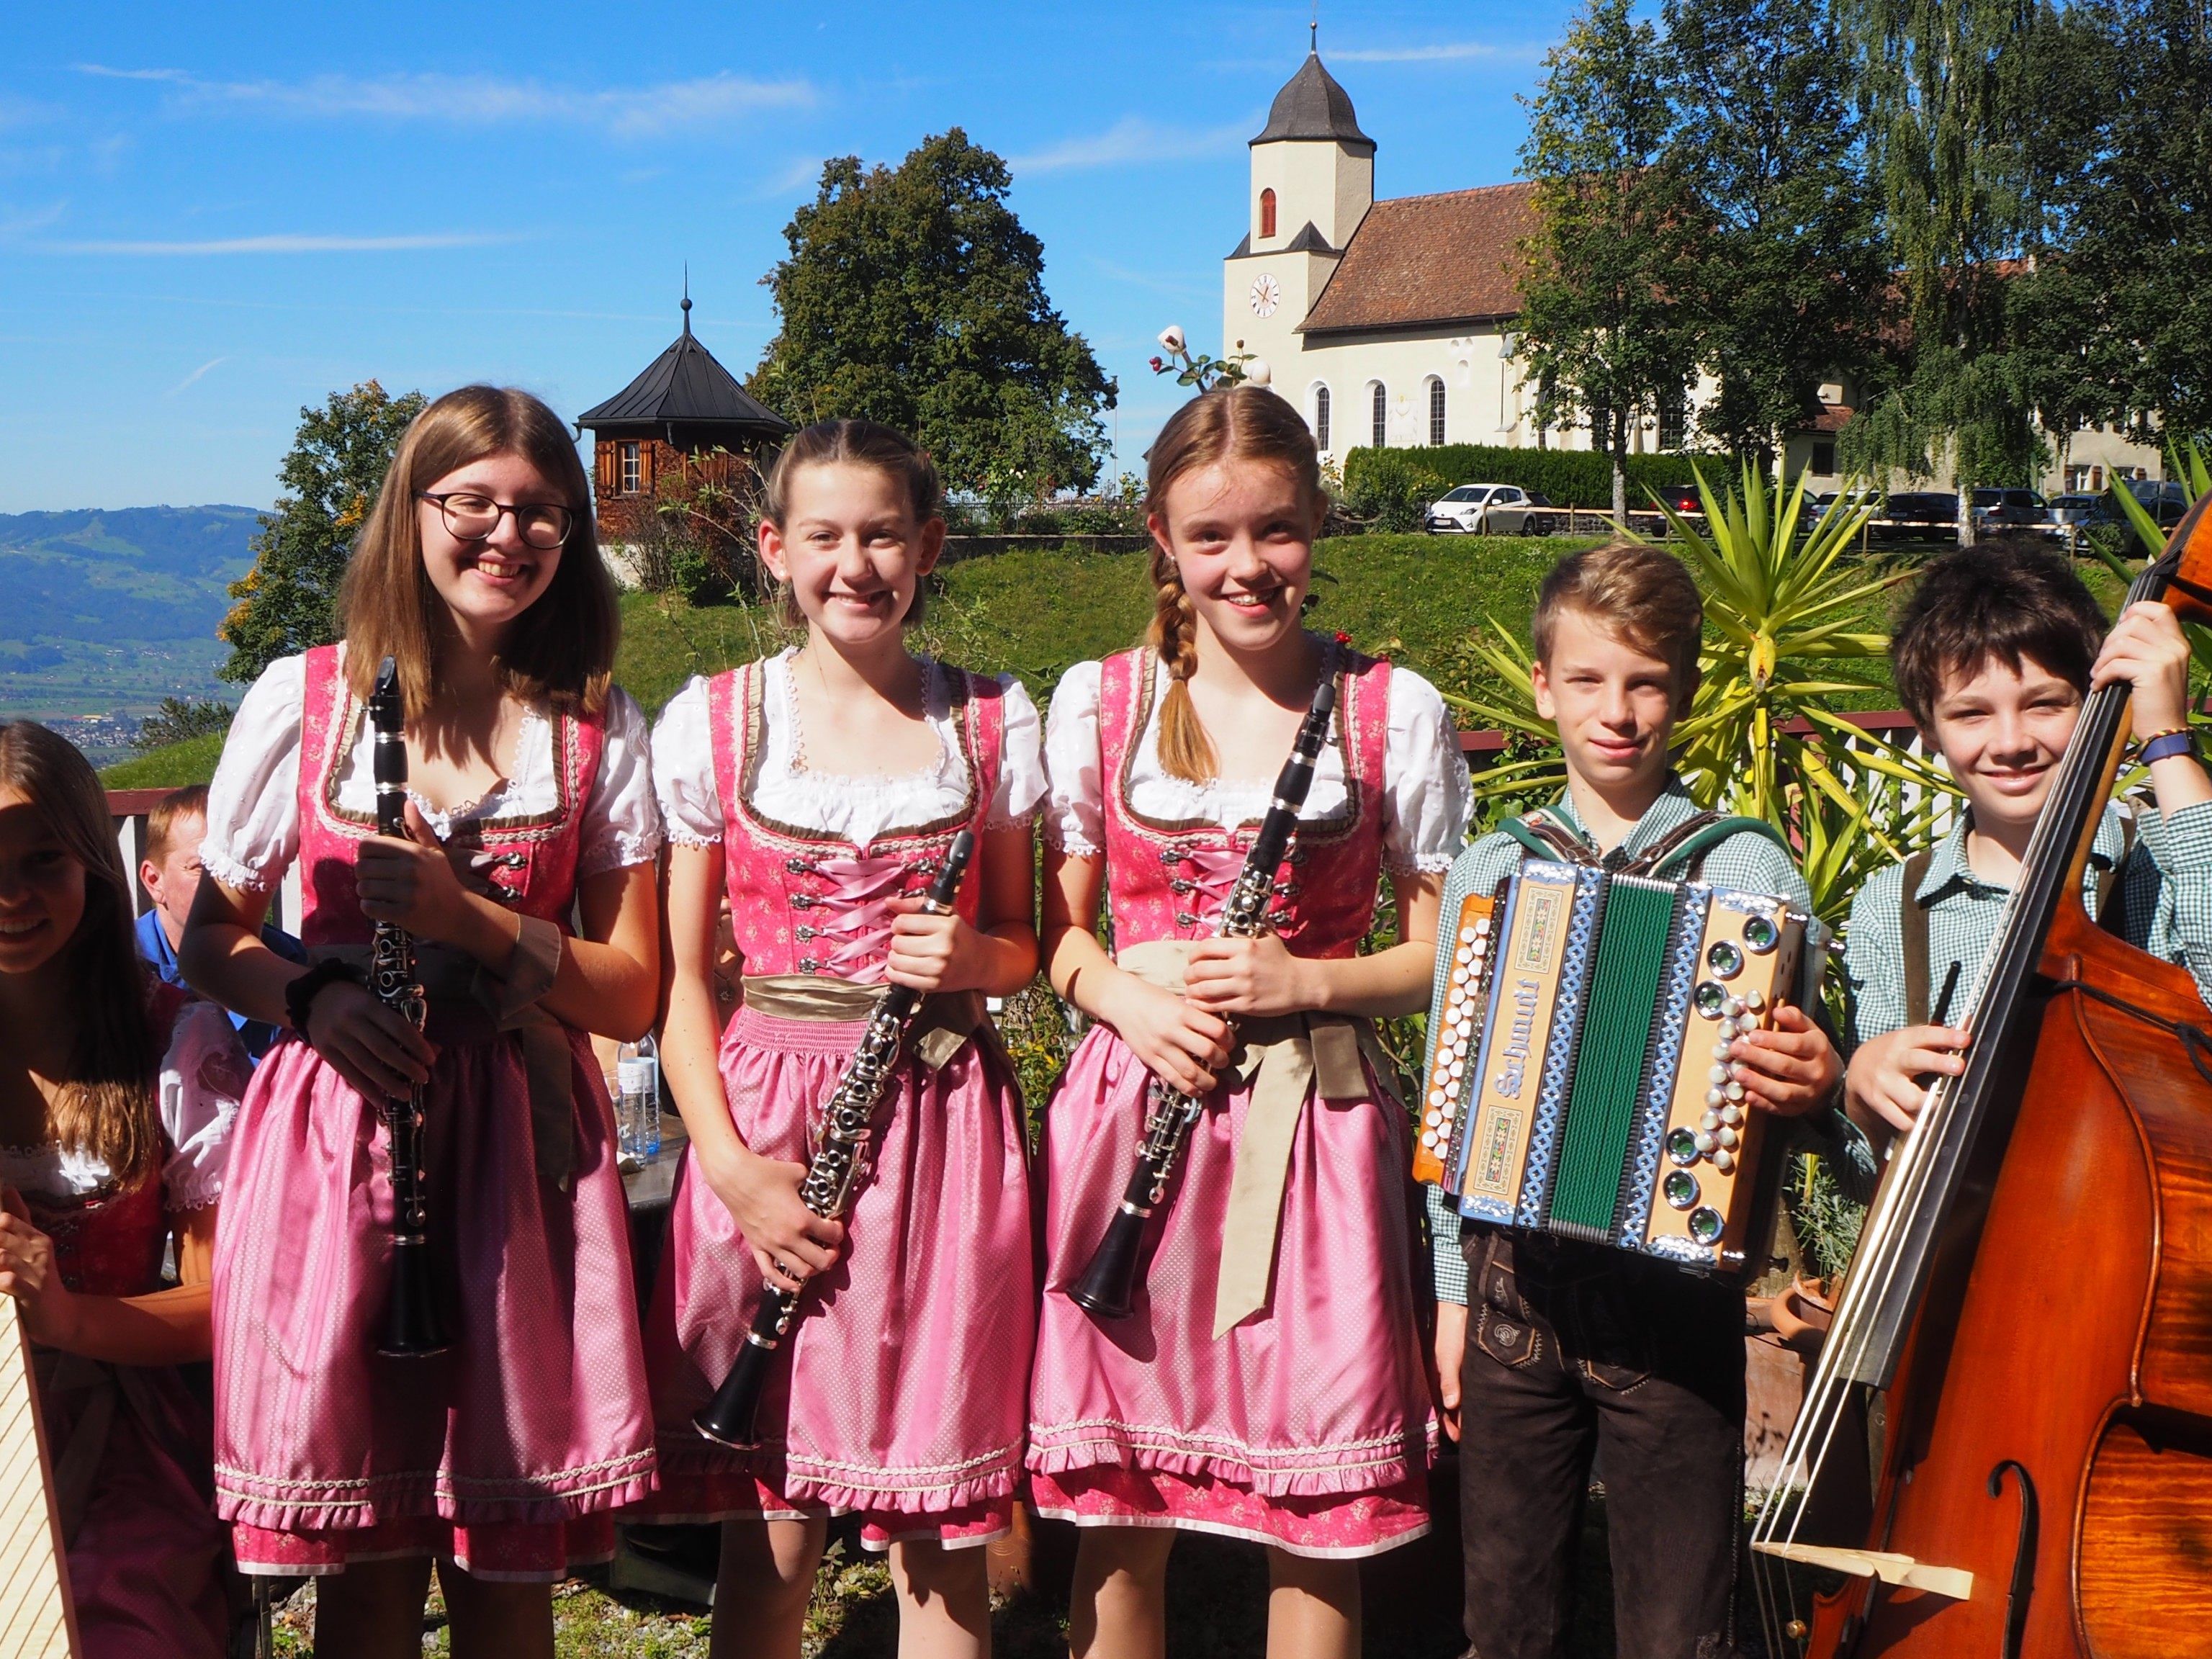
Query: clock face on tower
1267	294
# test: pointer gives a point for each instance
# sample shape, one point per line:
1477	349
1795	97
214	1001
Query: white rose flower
1171	338
1256	372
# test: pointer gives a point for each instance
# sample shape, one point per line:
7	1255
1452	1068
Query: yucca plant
2187	464
1783	621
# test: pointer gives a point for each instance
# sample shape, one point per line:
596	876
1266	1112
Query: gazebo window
1436	411
1382	417
1267	214
1320	418
632	478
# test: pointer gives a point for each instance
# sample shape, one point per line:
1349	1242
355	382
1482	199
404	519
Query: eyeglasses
472	518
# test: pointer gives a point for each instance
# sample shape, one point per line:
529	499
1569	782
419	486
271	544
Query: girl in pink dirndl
817	791
117	1098
1269	1382
502	1458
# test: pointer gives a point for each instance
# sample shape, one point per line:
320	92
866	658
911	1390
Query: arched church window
1267	214
1436	410
1382	417
1320	418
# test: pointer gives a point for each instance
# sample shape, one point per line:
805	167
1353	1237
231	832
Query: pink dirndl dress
1307	1425
900	1392
510	1451
144	1549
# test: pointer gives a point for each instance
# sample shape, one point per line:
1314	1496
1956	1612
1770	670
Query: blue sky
212	214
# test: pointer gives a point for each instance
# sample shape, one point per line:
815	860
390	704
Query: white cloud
1442	52
21	224
801	175
485	100
1133	139
282	244
212	362
23	111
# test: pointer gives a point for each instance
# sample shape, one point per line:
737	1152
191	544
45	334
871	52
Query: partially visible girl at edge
1270	1383
820	789
529	797
116	1097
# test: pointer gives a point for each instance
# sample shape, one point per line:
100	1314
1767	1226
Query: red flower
1156	365
1343	638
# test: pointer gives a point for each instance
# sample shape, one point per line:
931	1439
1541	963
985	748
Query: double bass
2032	1296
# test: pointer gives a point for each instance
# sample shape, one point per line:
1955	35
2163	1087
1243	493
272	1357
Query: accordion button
1711	1121
1714	1097
1731	1116
1733	1091
1682	1145
1467	935
1735	1005
1438	1096
1456	1069
1725	959
1705	1143
1753	1001
1459	1047
1727	1137
1723	1160
1719	1075
1429	1139
1720	1049
1482	925
1432	1119
1710	1000
1706	1225
1680	1187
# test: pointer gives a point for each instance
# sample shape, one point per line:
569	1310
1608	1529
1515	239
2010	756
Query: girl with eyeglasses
529	804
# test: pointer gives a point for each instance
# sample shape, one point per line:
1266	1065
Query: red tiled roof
1832	418
1427	259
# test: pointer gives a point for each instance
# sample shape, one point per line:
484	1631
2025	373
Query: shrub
179	719
1390	483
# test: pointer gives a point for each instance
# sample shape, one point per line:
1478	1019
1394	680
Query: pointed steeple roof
1311	105
686	389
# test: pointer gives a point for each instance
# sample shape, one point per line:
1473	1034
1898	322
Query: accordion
1578	1082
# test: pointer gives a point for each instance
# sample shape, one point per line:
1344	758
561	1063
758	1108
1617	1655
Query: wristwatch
2166	744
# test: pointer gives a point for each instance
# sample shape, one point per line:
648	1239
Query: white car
1464	509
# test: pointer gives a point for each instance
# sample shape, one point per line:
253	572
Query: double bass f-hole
2023	1555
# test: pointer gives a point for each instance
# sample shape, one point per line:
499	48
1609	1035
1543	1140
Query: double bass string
1896	1217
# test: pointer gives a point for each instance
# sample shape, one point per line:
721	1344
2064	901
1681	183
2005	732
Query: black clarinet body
1108	1288
834	1173
412	1328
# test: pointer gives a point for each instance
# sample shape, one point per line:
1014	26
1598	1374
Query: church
1390	323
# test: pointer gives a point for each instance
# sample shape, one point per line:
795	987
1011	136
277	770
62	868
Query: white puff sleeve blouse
254	804
1427	800
852	809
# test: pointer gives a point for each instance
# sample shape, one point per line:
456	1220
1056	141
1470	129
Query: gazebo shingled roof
684	389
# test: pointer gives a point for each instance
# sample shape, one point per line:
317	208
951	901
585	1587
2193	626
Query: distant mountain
107	612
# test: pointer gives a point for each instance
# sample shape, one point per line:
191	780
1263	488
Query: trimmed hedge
1571	477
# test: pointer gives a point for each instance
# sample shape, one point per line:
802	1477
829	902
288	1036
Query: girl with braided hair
1269	1382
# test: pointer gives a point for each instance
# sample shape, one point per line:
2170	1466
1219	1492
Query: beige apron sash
448	975
944	1023
1281	1057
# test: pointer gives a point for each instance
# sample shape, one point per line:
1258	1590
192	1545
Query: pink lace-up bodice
526	863
1171	880
806	902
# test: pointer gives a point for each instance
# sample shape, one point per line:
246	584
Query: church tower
1313	181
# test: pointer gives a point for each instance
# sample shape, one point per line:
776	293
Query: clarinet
1108	1285
412	1329
849	1134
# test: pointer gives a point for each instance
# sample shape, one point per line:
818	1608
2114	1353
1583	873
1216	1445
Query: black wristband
300	993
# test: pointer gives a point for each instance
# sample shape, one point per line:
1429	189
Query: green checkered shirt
1750	862
2165	887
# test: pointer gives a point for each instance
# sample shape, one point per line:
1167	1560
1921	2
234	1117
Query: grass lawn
1035	613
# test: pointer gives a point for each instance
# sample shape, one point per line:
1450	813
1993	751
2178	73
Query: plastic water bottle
637	1114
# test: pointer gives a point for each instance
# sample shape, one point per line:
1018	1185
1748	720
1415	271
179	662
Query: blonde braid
1186	751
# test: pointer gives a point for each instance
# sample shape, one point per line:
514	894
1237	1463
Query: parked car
2164	497
2010	509
1465	509
1683	498
1526	517
1816	507
1918	515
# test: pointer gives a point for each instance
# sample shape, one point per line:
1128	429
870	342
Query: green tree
330	479
1792	279
913	296
2121	315
1947	90
1607	331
